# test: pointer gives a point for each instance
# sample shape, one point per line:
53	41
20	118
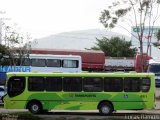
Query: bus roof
49	55
115	74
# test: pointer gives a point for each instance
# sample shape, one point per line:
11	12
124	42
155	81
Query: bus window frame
31	90
36	62
133	85
53	80
81	82
23	79
111	80
63	66
93	85
59	65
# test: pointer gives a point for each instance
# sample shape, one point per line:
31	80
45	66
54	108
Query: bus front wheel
35	107
105	108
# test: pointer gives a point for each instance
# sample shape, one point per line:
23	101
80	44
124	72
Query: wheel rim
105	109
35	108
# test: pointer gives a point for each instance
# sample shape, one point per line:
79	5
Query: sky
41	18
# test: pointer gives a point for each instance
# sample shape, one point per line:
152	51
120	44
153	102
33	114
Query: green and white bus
106	92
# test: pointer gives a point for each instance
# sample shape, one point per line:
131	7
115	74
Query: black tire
35	107
105	108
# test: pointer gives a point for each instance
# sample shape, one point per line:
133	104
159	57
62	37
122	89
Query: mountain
78	40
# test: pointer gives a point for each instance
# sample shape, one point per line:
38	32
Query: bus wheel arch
34	106
105	107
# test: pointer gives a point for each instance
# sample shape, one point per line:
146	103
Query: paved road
94	115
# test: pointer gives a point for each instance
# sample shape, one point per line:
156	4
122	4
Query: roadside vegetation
134	13
14	46
115	47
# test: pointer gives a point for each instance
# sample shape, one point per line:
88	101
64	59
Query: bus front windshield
155	68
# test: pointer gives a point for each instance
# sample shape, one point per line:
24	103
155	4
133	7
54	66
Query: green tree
3	50
16	46
115	47
3	53
138	13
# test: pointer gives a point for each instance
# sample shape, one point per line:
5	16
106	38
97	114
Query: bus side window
36	83
72	84
132	84
70	63
53	63
38	62
113	84
16	86
92	84
53	84
145	86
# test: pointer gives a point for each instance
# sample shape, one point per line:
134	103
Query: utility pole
150	50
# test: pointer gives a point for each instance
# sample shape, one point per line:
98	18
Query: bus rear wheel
105	108
35	107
